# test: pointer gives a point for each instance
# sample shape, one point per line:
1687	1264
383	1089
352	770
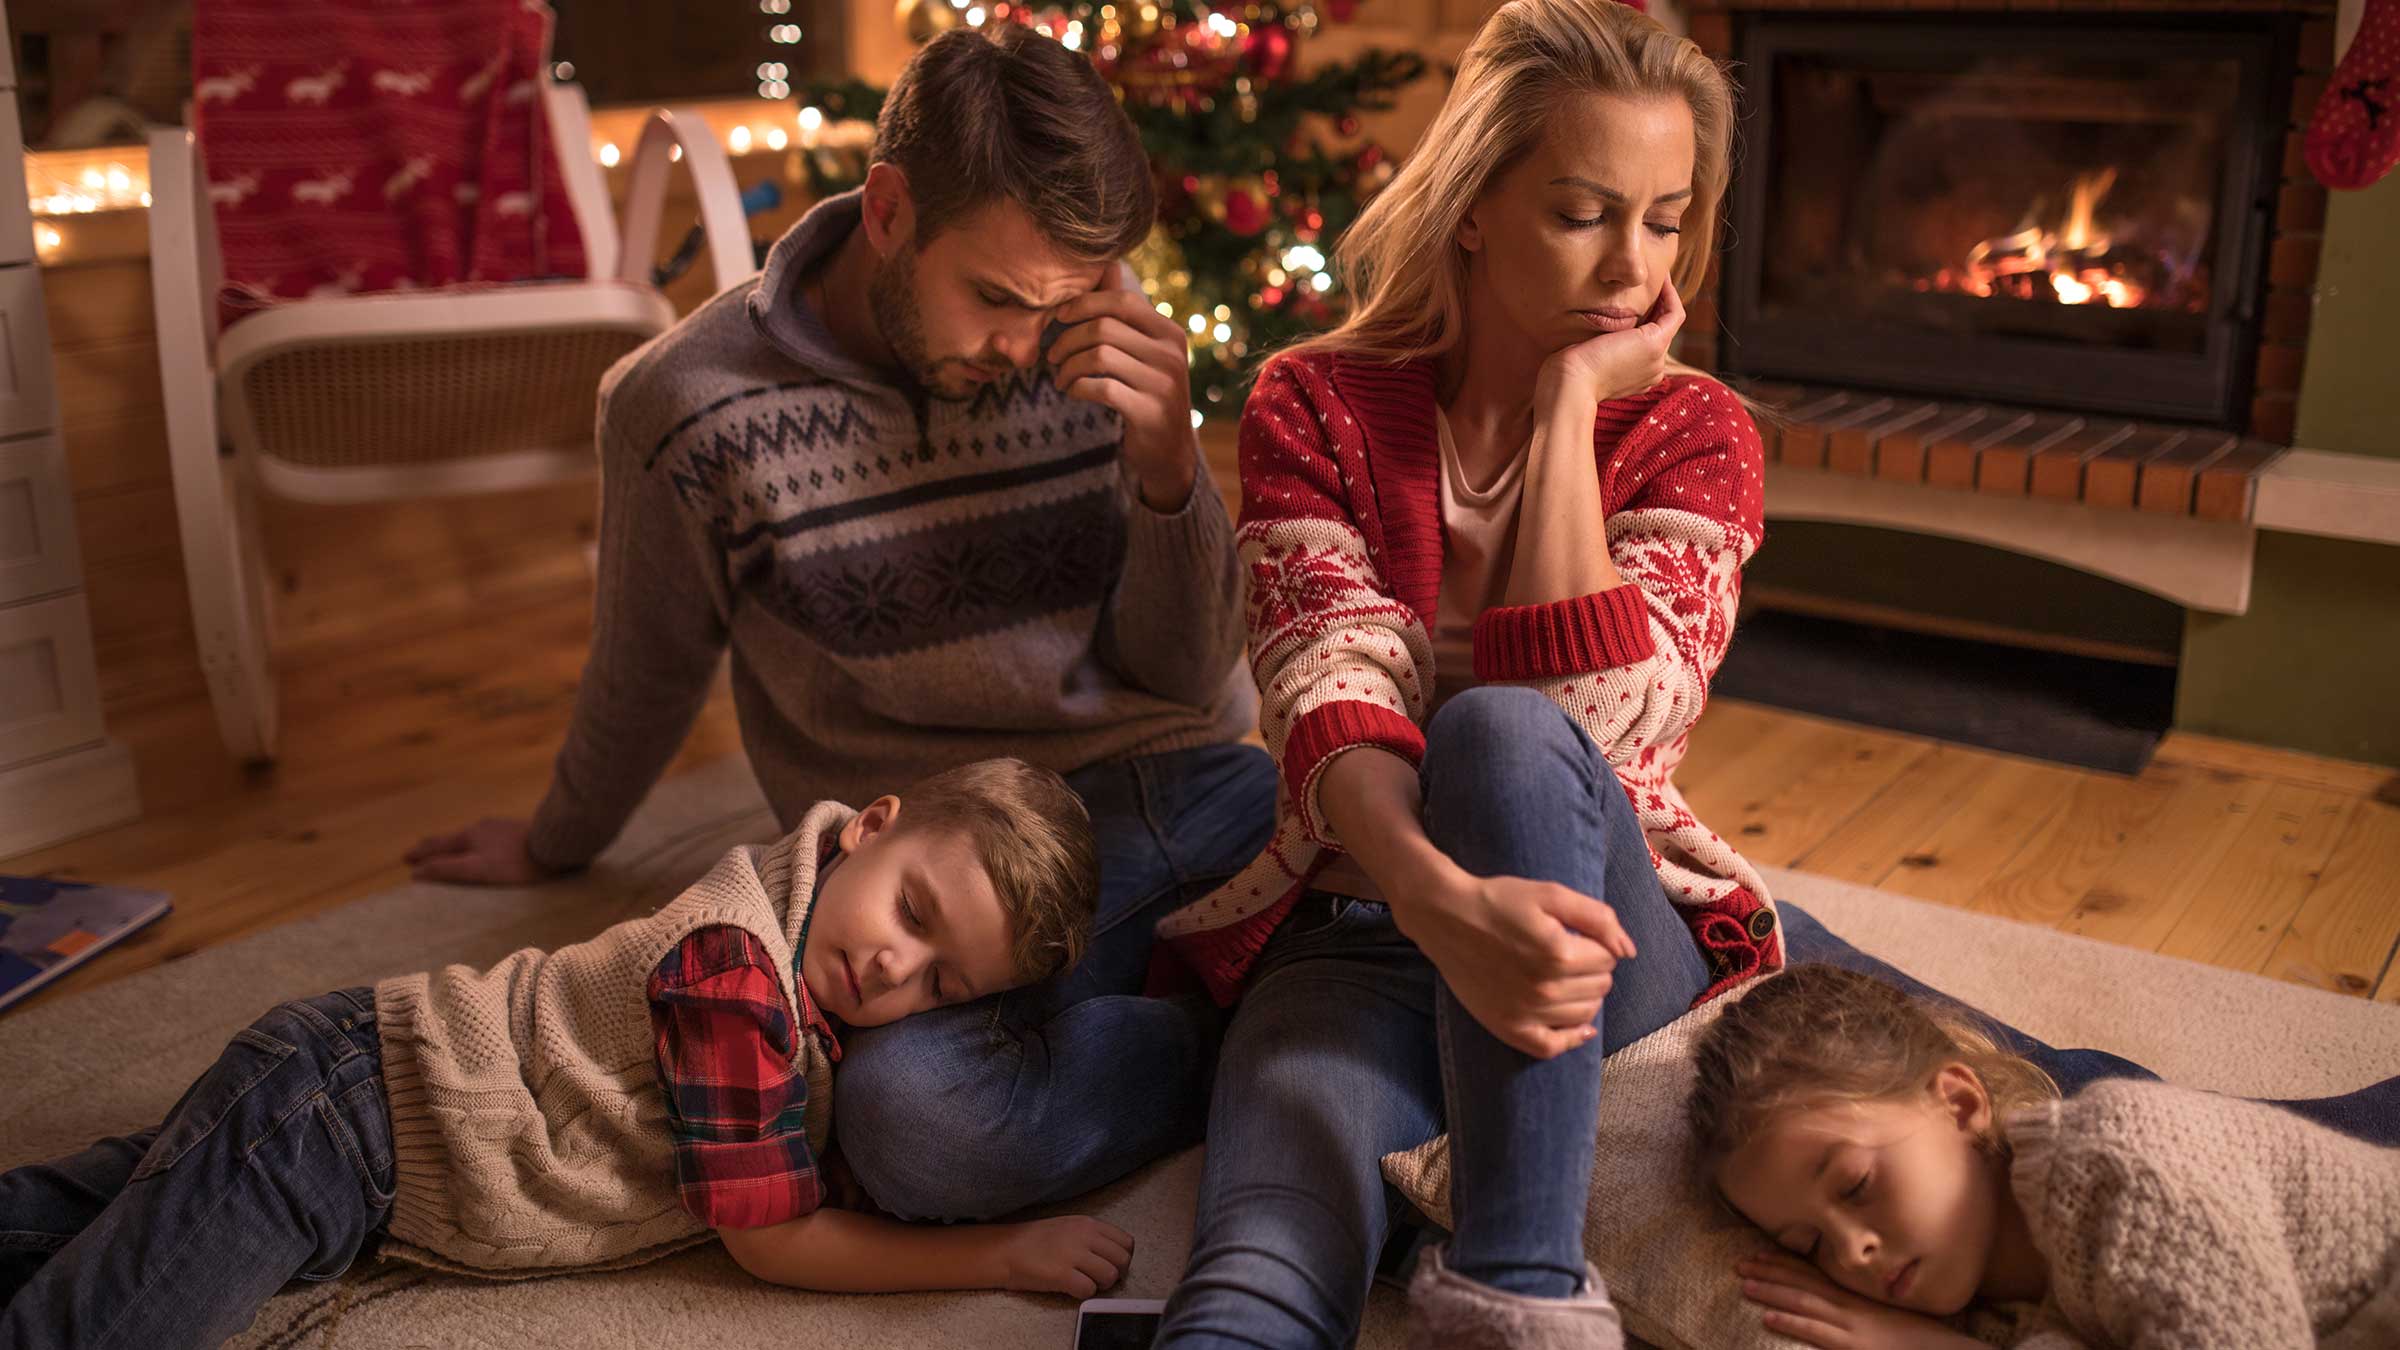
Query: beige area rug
114	1059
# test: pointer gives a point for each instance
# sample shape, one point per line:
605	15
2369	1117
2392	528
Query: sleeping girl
1908	1170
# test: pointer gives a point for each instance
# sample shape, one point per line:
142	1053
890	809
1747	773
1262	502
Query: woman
1493	550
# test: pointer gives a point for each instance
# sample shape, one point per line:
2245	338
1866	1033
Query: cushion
1665	1249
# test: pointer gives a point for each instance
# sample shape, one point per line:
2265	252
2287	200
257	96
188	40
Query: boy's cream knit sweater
529	1133
2175	1218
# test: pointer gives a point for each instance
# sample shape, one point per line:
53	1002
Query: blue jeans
277	1163
1042	1093
2371	1113
1348	1045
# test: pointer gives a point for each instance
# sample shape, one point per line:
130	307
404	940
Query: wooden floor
2243	857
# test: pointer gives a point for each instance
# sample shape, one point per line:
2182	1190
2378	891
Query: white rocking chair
364	398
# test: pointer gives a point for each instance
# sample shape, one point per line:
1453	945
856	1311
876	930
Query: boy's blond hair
1034	838
1819	1034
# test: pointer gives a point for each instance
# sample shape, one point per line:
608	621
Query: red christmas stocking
2354	138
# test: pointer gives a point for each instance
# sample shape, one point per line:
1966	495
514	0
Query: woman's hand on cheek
1800	1302
1614	365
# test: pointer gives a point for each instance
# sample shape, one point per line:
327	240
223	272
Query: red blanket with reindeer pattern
358	145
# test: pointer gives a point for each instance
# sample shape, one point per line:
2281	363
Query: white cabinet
16	218
38	555
60	775
28	399
53	701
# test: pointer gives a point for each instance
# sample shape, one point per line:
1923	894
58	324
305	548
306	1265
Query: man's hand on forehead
1112	347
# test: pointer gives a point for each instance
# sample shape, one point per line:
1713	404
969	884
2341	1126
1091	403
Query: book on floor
49	927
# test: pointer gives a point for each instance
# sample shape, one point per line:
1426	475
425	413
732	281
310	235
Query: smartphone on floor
1118	1323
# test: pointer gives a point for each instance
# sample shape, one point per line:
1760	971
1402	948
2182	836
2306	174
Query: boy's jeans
1348	1045
276	1163
1044	1093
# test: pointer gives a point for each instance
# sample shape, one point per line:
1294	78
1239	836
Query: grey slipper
1452	1312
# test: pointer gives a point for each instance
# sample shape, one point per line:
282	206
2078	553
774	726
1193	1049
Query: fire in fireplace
2038	210
2079	261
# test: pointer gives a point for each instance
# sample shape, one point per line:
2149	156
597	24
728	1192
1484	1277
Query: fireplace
2060	210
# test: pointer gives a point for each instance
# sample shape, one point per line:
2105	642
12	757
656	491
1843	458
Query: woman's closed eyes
1662	229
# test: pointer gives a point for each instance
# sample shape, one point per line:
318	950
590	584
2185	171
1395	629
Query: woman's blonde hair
1400	260
1818	1035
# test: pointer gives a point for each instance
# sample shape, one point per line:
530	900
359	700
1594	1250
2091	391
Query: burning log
2073	265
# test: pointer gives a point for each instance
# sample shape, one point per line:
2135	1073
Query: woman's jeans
1347	1045
276	1164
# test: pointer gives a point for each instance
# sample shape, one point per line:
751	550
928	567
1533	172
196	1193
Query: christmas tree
1259	167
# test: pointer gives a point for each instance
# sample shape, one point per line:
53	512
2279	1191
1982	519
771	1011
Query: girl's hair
1819	1034
1400	260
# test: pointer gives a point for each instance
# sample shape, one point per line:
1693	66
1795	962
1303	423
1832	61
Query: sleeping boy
592	1107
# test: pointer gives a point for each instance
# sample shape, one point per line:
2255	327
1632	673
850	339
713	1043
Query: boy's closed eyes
908	920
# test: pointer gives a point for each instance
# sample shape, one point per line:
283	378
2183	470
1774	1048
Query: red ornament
1348	125
1341	10
1267	52
1180	69
1370	157
1244	214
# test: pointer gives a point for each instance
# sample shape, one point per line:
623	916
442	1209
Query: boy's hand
1800	1302
1120	352
486	853
1075	1255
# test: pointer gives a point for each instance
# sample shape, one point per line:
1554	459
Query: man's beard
892	299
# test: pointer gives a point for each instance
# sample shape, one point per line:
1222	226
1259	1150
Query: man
932	477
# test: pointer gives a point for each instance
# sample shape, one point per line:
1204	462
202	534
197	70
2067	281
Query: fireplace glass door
2039	212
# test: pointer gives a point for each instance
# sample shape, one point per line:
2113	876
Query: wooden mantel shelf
2337	495
2197	563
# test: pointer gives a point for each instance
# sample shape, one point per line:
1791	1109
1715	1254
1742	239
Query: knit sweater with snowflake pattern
905	583
1341	545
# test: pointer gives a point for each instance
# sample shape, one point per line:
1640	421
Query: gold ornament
921	21
1166	277
1209	196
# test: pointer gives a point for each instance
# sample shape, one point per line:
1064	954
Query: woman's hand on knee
1530	960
